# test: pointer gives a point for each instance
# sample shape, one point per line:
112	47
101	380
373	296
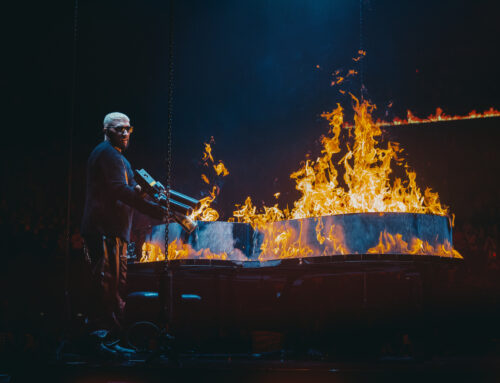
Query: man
106	224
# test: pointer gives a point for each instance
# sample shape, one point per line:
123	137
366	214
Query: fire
366	171
205	212
283	244
177	250
439	116
332	238
354	173
207	154
220	168
285	241
395	244
361	54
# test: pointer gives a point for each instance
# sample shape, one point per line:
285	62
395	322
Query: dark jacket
111	196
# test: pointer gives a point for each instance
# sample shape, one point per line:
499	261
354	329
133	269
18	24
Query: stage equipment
181	205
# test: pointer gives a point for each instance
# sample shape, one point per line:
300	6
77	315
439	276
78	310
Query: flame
366	171
347	177
177	250
395	244
207	155
439	116
283	244
220	168
334	239
361	54
248	214
353	175
338	80
205	212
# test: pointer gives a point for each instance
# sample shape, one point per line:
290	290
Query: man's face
119	134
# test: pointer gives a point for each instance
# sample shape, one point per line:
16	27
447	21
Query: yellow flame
355	181
344	178
395	244
283	243
177	250
439	116
221	169
361	54
207	155
205	212
366	169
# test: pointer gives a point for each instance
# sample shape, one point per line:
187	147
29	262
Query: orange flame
205	212
220	168
358	180
361	54
207	155
395	244
283	244
177	250
288	242
439	116
366	169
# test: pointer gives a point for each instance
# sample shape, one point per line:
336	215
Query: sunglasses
122	129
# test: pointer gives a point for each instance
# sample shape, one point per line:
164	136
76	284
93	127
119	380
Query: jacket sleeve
114	170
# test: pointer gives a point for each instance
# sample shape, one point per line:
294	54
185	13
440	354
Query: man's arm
114	171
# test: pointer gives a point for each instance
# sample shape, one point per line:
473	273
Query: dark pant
108	268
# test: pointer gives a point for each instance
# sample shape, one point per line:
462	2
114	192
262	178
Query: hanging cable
70	166
361	74
169	154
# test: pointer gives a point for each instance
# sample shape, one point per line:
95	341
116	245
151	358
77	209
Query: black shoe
106	352
119	349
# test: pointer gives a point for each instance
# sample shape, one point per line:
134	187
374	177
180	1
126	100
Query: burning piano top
345	235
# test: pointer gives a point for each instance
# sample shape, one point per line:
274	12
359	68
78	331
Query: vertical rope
170	110
361	61
70	165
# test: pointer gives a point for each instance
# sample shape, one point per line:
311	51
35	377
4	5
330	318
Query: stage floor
245	368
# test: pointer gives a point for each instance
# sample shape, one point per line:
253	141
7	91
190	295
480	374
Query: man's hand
138	189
